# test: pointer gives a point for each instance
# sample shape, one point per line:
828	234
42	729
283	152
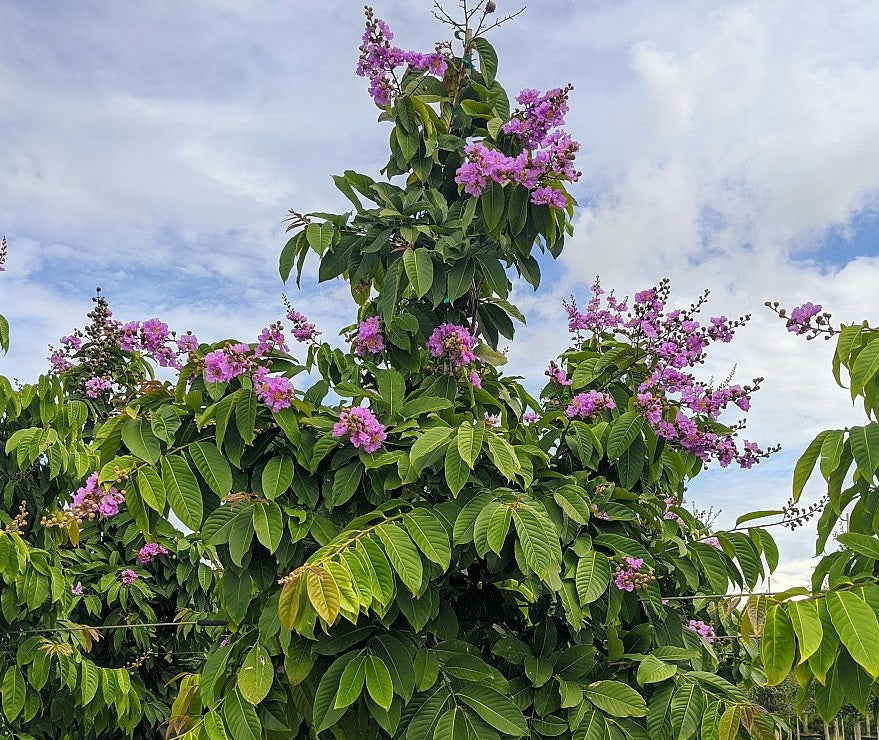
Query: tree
438	554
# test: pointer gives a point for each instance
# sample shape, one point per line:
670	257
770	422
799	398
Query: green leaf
345	482
256	675
762	514
241	718
268	523
615	698
728	726
319	236
503	455
593	576
213	467
182	490
392	388
164	422
419	269
460	279
493	707
806	621
831	451
14	692
430	535
492	203
865	366
777	645
623	432
427	444
861	543
686	710
378	682
455	724
865	448
654	670
325	715
403	555
151	489
469	441
140	440
424	405
245	414
857	627
534	540
351	683
456	469
806	464
4	333
487	60
323	594
277	476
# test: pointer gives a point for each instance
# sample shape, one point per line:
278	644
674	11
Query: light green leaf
777	645
806	621
378	682
806	464
427	444
865	366
865	448
268	523
351	683
430	535
831	451
654	670
502	455
323	594
456	470
256	675
615	698
151	489
593	576
861	543
857	627
14	692
622	433
469	441
494	708
403	555
140	440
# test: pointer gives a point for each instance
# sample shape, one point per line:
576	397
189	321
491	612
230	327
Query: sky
153	149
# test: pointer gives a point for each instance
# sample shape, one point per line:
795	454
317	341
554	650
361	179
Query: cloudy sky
154	149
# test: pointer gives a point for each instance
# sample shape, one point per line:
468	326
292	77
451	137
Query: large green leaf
502	455
428	444
325	715
861	543
268	523
181	487
469	441
497	710
492	202
593	576
616	698
865	366
430	535
256	675
777	645
806	621
419	269
241	717
351	683
865	447
214	468
686	710
139	439
378	682
534	539
403	555
14	692
323	594
456	470
487	59
623	432
806	464
151	489
857	627
653	670
277	476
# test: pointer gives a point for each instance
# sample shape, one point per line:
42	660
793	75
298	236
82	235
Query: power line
130	625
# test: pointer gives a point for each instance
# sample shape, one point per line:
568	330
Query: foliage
828	636
456	558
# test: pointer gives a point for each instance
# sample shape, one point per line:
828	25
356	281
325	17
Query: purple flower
705	631
187	343
625	578
557	374
128	577
275	392
369	339
714	542
475	380
108	504
800	317
95	386
549	196
361	427
586	404
272	337
76	590
529	417
150	551
303	329
454	343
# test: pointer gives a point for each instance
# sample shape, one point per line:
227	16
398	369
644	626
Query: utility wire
77	628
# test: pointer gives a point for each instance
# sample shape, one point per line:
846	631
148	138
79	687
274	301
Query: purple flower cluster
453	343
705	631
475	379
713	541
90	499
128	577
598	513
361	427
271	338
150	551
800	317
680	408
369	339
76	589
557	374
303	329
586	404
94	387
529	417
222	365
625	575
274	391
548	155
378	60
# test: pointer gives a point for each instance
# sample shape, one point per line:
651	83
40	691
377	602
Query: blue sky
154	149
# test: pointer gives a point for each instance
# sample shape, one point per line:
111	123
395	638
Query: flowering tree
439	554
827	635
